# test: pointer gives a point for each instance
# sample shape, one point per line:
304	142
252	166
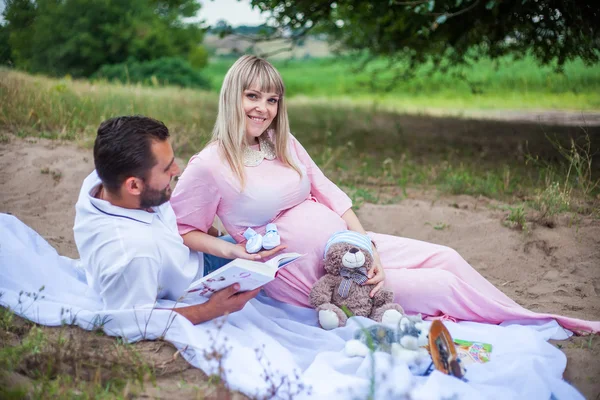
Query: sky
233	11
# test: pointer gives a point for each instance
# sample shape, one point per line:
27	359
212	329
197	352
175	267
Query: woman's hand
239	251
376	274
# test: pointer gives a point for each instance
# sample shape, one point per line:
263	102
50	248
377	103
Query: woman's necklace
253	157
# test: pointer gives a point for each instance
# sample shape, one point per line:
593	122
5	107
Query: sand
554	270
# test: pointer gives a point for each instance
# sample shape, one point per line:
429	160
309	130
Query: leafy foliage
19	13
222	28
417	31
4	46
198	57
76	37
166	71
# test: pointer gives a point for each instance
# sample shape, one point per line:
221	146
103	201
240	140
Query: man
125	228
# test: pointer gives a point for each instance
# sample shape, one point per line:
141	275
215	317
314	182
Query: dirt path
549	270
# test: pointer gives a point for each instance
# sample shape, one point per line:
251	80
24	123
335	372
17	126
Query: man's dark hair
123	148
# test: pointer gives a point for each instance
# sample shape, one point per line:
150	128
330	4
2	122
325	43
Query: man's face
157	186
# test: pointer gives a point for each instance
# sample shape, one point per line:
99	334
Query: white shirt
131	257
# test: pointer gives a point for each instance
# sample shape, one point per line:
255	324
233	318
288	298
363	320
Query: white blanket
280	340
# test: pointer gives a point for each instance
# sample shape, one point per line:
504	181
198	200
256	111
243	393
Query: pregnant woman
255	172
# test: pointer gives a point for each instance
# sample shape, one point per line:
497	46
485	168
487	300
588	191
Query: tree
198	57
19	13
165	71
78	36
416	31
4	46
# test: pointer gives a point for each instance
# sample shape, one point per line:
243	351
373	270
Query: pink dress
426	278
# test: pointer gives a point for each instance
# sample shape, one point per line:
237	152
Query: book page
223	277
282	260
249	274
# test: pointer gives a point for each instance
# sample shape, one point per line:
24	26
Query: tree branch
450	15
278	51
463	10
411	3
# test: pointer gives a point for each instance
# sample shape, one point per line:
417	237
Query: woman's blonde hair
229	131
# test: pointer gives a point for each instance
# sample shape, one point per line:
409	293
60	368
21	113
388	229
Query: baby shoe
271	239
254	241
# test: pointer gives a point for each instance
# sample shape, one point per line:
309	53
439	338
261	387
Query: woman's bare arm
200	241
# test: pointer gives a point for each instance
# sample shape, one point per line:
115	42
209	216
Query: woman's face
260	108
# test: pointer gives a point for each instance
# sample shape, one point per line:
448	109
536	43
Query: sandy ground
549	270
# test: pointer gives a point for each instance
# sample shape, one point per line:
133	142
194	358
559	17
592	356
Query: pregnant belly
304	229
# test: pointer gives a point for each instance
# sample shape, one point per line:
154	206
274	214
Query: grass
438	226
39	362
369	152
361	195
485	84
517	218
552	201
56	175
67	362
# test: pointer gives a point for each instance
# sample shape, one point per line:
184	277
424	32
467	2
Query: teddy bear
404	342
348	259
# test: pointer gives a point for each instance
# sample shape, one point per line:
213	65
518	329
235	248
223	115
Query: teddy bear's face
342	255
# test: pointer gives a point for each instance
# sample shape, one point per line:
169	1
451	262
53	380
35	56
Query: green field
505	84
374	154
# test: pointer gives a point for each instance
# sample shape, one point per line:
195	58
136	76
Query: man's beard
154	198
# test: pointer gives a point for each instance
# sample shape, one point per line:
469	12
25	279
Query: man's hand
225	301
239	251
376	274
229	300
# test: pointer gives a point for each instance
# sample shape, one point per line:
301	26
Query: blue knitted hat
354	238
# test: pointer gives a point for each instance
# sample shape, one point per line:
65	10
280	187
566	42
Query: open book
473	352
249	274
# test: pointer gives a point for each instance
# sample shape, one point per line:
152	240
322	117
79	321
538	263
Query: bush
198	57
553	200
4	46
164	71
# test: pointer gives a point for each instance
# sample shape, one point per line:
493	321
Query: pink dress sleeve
196	196
322	189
